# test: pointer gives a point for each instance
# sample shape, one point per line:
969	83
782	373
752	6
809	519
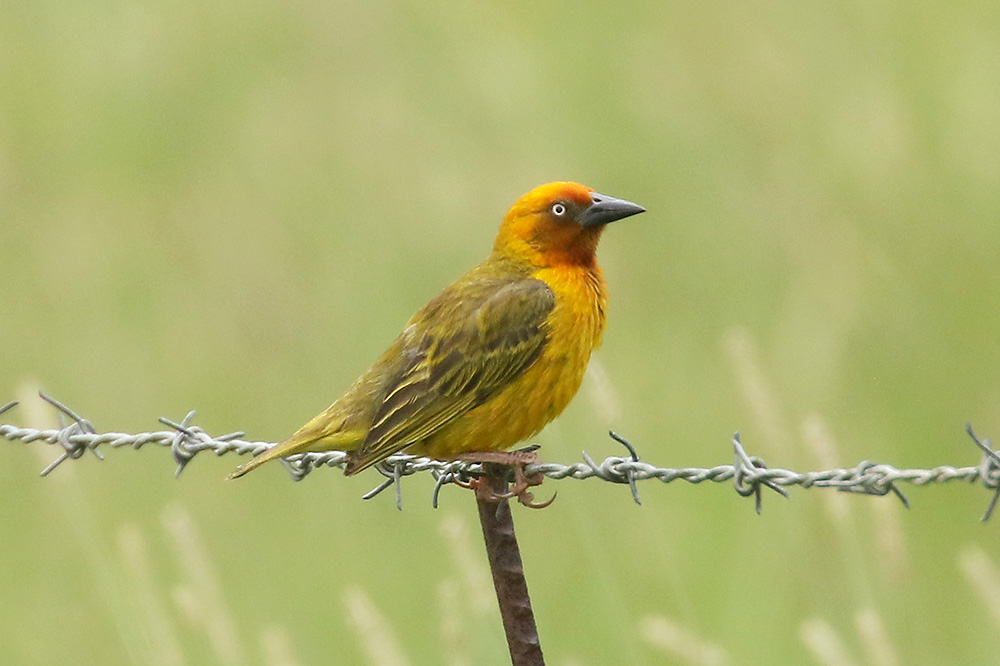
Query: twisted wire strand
748	473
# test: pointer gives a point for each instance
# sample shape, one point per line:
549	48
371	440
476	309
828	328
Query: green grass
233	207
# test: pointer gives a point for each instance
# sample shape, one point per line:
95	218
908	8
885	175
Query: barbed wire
748	473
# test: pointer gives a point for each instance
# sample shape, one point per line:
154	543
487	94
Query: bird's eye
558	209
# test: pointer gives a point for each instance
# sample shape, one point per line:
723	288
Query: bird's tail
279	451
308	438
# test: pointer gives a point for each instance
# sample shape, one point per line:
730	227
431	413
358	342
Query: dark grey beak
605	209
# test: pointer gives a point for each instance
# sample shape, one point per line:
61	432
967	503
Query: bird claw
528	500
516	460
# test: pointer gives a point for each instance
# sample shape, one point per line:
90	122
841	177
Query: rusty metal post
508	576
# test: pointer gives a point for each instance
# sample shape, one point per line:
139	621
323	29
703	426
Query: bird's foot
515	460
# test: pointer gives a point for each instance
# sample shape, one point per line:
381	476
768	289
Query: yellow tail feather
278	451
304	440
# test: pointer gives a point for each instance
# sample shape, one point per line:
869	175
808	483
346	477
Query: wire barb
71	448
748	473
871	480
989	470
178	448
748	476
629	474
393	473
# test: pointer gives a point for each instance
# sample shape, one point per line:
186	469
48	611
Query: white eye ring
558	209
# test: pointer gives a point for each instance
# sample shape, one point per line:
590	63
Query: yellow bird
494	357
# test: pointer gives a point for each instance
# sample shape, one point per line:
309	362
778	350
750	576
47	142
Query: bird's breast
581	298
575	327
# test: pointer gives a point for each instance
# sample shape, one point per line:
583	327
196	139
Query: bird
494	357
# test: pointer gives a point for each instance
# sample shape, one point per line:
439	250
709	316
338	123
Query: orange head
559	223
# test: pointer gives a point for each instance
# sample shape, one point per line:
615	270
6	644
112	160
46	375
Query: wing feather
501	333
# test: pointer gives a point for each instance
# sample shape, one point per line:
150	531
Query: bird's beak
605	209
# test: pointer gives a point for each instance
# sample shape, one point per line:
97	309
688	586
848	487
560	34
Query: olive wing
501	333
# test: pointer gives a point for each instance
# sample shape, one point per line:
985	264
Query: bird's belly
516	413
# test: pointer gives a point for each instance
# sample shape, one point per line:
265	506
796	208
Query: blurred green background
234	206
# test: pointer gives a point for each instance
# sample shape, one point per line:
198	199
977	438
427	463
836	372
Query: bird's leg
516	460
